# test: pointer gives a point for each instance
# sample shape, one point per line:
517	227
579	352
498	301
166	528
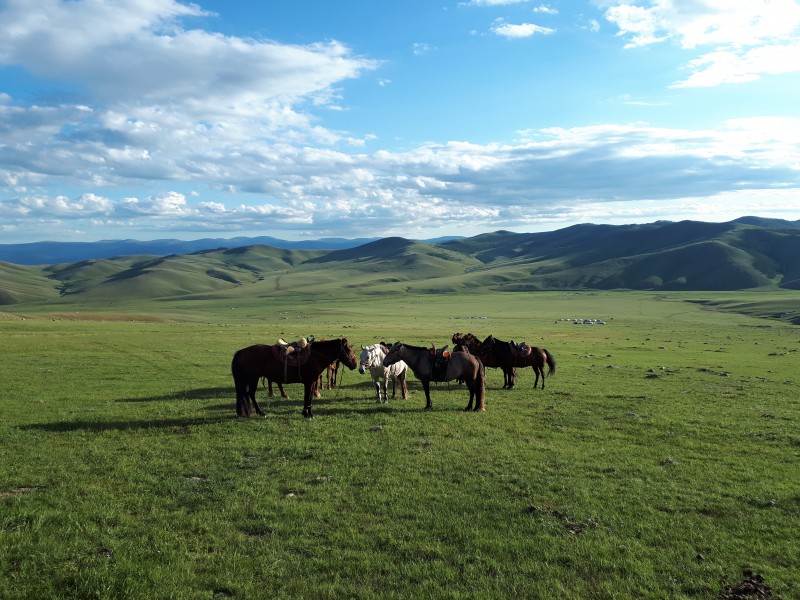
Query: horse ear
362	346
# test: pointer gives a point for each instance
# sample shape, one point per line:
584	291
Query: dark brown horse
460	365
507	354
473	344
251	363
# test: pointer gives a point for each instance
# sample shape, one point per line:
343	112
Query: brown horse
473	344
460	365
507	354
332	372
251	363
270	393
331	375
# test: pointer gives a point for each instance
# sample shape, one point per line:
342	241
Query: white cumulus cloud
519	30
741	40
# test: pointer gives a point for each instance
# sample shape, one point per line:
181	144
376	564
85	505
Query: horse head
346	355
371	356
393	355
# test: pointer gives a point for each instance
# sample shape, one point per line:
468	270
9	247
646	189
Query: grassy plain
659	462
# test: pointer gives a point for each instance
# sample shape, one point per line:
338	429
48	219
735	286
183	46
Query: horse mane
332	340
494	339
414	347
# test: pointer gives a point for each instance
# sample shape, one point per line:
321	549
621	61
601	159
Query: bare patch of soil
751	587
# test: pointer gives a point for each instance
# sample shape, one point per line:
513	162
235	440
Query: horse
473	344
422	362
372	358
270	393
330	382
509	355
332	372
260	360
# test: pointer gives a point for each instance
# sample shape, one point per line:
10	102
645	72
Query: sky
152	119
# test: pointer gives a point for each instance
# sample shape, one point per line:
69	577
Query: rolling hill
687	255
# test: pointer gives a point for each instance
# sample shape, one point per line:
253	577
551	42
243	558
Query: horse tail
551	362
481	383
244	407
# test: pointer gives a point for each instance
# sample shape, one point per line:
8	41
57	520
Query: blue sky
154	119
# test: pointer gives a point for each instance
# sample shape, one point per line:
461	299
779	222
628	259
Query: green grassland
660	461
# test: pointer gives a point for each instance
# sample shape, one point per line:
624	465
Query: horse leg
283	394
403	386
426	385
471	388
536	381
511	378
308	395
377	383
255	404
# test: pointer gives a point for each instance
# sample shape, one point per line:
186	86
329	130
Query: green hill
659	256
25	284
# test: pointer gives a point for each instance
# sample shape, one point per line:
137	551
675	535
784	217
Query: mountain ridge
669	256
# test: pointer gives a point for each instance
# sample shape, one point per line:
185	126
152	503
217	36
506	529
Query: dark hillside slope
387	248
711	266
24	284
400	259
768	223
774	253
174	275
585	244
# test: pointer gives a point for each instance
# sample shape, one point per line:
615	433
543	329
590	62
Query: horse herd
466	363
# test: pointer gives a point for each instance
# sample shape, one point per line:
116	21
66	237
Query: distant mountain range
688	255
48	253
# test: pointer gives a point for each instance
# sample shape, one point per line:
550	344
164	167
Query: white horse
372	359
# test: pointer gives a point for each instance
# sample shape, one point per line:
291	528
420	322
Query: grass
659	463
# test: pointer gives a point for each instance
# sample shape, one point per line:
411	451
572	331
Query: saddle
294	353
440	358
521	350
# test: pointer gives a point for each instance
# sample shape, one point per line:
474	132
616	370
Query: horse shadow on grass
198	394
173	425
176	425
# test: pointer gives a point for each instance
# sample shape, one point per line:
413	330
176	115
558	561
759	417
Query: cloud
734	65
750	39
521	30
547	176
117	51
546	10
